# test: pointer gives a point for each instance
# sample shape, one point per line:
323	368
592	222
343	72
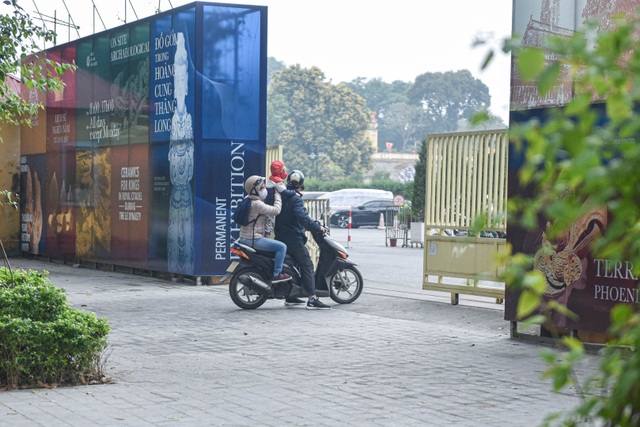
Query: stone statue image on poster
180	239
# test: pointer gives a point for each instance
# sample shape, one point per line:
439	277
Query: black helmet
295	179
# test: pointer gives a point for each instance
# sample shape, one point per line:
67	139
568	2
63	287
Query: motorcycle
336	276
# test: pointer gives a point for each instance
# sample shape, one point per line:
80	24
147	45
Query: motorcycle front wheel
345	286
243	296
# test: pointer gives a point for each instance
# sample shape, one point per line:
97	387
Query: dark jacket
293	220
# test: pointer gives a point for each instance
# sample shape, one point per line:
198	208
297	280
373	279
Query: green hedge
43	341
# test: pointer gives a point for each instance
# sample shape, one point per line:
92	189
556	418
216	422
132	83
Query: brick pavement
184	355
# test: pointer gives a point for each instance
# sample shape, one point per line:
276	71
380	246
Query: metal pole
349	230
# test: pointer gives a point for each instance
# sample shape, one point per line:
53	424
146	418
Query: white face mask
263	193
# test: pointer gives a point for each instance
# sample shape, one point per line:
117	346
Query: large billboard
140	159
588	286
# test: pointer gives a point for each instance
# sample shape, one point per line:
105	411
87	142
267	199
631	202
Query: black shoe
293	301
316	304
281	278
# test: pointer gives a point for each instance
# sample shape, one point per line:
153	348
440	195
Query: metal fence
467	178
466	181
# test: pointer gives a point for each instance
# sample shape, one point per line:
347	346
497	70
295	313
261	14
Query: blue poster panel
159	206
231	74
222	169
232	88
171	34
173	105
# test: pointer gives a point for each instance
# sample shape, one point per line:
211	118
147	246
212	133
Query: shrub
42	339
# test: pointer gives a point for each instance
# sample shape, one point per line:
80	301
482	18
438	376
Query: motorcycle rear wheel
345	286
243	296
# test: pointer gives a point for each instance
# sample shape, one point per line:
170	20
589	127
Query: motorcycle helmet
295	179
253	183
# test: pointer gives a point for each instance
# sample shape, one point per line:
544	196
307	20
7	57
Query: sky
346	39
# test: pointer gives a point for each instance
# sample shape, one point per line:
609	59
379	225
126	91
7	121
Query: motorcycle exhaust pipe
255	284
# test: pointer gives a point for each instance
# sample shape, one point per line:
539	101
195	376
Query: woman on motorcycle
253	234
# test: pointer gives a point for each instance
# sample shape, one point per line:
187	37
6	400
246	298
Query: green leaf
537	319
548	78
530	63
528	302
487	59
560	378
548	356
573	343
579	104
621	313
618	107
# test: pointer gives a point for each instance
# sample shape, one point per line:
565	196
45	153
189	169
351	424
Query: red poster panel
60	212
130	204
33	137
588	286
61	111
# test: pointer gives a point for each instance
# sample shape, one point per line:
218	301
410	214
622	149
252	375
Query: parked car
312	195
349	198
367	214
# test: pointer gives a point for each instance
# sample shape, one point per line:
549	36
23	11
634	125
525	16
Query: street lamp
314	156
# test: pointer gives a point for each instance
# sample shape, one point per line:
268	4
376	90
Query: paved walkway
185	355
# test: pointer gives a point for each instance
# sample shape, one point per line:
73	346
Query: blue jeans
269	245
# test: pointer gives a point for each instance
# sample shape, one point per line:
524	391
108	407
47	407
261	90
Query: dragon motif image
561	259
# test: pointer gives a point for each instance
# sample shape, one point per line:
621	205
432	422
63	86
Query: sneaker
293	301
281	278
316	304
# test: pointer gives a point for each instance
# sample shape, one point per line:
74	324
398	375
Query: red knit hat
278	174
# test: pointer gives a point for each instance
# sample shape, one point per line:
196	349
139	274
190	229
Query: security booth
140	159
466	180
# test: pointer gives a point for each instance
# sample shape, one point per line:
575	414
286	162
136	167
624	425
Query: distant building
372	132
525	95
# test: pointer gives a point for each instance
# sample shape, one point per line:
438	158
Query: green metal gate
466	179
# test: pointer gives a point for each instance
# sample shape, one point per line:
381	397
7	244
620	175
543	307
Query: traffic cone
381	223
